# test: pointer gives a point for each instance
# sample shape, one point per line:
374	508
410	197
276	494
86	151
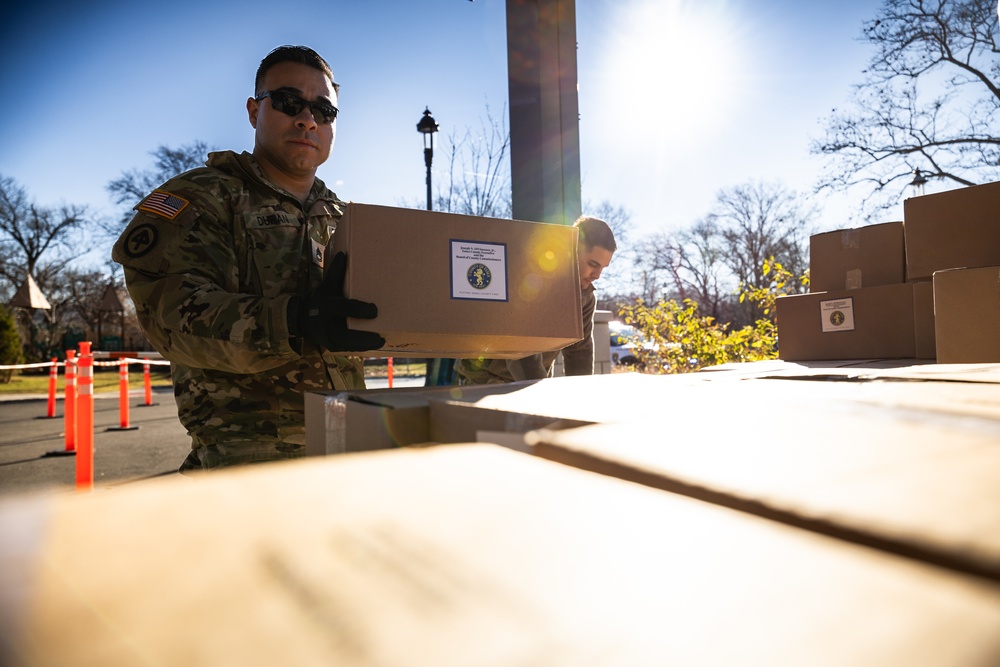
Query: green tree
708	262
684	340
11	350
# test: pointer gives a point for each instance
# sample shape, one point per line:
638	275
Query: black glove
321	316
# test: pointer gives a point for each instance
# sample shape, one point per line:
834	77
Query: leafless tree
478	180
756	221
135	184
699	272
28	232
929	100
709	261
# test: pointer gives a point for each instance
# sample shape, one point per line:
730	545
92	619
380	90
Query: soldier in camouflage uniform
596	247
228	269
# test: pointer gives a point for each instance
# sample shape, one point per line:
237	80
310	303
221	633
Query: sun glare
673	69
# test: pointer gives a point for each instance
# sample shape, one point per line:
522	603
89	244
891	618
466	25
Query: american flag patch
163	203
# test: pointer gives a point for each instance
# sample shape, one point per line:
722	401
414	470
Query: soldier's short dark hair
594	231
295	54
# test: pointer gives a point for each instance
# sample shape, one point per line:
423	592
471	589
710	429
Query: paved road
27	437
155	448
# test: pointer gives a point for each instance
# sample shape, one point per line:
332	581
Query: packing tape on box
852	279
850	238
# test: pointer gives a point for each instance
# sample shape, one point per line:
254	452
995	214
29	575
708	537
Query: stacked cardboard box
913	289
953	238
860	307
857	258
967	305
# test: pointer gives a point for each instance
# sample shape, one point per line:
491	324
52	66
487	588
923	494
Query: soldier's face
592	263
294	145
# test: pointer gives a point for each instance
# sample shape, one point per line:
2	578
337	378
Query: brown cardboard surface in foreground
907	466
454	556
859	369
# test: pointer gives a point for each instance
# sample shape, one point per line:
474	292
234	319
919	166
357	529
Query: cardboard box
853	258
954	229
450	285
967	315
866	323
367	420
923	320
373	419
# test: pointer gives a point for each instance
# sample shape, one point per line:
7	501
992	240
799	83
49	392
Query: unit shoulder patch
140	240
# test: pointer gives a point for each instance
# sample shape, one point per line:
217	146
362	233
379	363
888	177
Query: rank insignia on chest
317	253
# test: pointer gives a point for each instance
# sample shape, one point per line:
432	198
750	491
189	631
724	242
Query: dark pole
544	110
428	159
439	371
427	127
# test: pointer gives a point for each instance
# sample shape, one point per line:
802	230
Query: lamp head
427	125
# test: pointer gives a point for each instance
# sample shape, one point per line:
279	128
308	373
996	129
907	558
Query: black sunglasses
292	105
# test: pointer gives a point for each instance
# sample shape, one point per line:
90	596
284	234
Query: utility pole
544	110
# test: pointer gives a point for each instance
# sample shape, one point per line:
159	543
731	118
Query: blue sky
678	98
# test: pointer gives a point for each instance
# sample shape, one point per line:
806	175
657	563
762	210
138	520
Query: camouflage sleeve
182	273
528	368
578	358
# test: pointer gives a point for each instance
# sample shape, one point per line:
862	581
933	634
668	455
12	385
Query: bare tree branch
478	180
930	100
135	184
29	231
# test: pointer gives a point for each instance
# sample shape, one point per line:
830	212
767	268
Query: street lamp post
918	182
427	127
439	371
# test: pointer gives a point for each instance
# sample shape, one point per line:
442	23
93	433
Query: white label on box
478	270
837	314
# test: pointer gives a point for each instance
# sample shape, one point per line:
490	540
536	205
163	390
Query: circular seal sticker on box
837	315
479	276
478	270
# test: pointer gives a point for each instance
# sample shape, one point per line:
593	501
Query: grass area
106	378
379	368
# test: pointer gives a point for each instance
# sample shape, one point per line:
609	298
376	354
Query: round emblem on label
837	318
479	276
141	240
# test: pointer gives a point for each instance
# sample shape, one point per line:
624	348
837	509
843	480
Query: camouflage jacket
578	358
211	259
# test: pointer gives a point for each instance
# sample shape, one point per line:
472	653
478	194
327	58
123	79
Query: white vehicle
625	339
